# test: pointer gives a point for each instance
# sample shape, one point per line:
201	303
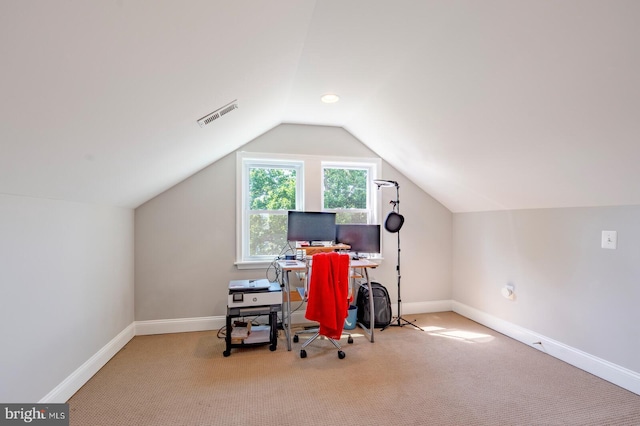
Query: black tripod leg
400	322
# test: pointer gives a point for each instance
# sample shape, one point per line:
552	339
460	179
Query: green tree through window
272	189
272	192
271	184
345	192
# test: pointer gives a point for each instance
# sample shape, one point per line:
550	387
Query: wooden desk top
311	250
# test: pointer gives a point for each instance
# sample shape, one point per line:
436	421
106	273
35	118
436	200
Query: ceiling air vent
210	118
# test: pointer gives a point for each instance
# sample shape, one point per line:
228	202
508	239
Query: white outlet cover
609	239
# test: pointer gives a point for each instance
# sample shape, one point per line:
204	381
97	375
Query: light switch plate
609	239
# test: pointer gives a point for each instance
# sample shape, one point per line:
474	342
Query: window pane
272	189
267	234
352	217
272	184
345	188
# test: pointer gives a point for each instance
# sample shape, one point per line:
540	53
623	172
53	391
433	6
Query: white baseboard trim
179	325
184	325
606	370
298	318
407	309
422	307
77	379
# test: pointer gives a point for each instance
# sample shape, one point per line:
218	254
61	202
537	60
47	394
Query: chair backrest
328	292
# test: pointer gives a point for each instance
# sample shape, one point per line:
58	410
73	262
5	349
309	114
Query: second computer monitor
362	238
311	226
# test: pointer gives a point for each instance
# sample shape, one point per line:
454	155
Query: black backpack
381	305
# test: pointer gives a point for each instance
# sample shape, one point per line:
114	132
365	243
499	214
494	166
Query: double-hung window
269	189
269	185
346	190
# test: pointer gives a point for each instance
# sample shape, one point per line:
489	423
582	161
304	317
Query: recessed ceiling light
330	98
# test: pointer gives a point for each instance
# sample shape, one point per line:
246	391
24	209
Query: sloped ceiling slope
486	105
100	99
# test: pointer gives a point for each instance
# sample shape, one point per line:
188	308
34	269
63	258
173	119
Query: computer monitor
362	238
311	226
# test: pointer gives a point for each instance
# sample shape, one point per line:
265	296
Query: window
346	191
269	185
270	188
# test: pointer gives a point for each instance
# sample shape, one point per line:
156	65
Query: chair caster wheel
350	340
303	353
341	354
226	353
296	339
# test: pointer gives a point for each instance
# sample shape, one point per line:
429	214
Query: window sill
261	264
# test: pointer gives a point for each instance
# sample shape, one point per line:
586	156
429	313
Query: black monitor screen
311	226
362	238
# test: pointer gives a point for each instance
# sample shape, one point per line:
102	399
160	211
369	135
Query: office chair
327	298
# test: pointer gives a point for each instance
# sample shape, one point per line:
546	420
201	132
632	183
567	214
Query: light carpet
456	372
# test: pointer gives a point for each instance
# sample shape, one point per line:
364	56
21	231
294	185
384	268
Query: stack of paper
259	334
238	334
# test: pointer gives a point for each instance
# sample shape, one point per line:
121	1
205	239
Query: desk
311	250
287	266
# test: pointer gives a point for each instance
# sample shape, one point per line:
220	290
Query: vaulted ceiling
484	104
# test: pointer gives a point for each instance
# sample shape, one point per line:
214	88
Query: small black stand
393	224
271	310
399	321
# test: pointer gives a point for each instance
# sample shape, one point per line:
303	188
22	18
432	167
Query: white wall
67	269
66	289
567	287
185	237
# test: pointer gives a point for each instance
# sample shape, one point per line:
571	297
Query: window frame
309	190
371	168
245	164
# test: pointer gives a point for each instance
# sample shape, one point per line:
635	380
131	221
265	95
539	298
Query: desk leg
286	313
369	331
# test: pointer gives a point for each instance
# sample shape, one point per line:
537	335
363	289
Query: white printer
244	293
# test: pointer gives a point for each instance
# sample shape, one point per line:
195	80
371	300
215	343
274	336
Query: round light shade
394	222
330	98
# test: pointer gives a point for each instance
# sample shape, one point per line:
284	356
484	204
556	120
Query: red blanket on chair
328	302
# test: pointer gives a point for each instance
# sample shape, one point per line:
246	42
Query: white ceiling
485	105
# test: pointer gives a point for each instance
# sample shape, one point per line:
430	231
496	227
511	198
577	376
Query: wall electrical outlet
609	239
508	291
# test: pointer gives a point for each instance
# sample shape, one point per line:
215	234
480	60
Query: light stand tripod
393	223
